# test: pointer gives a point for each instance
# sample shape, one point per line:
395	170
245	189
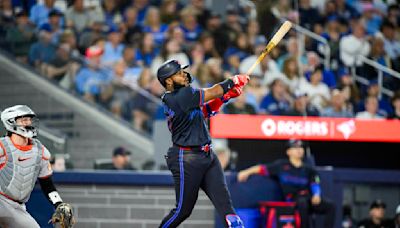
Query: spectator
337	106
190	26
371	109
276	102
384	107
168	11
317	91
214	26
239	106
119	93
20	37
43	50
113	47
291	71
108	14
308	14
292	49
236	53
207	41
58	67
346	11
299	183
378	55
147	50
91	35
7	14
391	44
39	12
141	108
349	89
333	36
313	62
396	106
142	6
53	25
348	220
267	69
121	159
231	27
133	29
301	106
78	17
253	32
91	79
353	45
371	18
169	50
393	14
202	12
376	217
153	25
255	91
133	70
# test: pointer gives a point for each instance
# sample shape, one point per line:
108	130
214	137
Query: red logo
23	159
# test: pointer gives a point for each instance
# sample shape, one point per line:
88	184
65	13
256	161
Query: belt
3	194
206	148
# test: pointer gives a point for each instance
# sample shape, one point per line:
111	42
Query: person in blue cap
191	159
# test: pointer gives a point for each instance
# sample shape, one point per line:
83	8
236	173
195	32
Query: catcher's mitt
63	215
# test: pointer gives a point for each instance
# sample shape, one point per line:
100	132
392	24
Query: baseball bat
285	27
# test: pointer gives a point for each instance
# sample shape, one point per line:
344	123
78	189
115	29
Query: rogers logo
301	128
347	128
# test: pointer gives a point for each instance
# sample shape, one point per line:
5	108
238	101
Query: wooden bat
285	27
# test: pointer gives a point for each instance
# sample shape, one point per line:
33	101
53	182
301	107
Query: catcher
23	159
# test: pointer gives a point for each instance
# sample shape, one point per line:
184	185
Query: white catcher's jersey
20	167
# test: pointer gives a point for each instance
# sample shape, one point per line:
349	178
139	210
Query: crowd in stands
108	52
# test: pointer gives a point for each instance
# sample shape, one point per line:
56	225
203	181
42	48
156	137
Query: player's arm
263	170
212	107
218	90
46	181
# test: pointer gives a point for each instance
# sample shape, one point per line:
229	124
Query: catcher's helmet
9	118
169	68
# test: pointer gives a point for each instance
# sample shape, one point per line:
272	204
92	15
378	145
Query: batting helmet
168	69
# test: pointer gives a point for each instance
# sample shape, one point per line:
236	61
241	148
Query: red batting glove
241	79
234	92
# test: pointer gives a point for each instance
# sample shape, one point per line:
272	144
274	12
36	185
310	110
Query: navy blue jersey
185	118
294	181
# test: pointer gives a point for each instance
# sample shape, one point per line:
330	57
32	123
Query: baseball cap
93	51
377	204
55	12
21	13
121	151
294	143
45	27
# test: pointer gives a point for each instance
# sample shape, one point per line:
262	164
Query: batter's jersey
186	121
293	180
20	166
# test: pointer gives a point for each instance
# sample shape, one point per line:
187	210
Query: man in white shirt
371	109
353	45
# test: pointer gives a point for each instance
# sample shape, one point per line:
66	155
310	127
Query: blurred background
88	70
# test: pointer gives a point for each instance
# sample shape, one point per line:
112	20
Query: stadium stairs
92	133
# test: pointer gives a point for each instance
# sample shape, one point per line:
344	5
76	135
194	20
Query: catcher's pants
14	215
193	169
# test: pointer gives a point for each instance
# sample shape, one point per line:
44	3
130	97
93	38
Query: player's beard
180	85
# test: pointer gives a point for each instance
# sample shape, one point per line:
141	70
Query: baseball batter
23	160
191	160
